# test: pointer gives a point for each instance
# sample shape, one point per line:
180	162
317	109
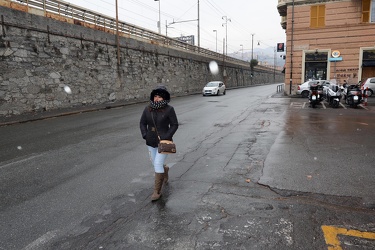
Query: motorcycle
333	95
316	94
352	95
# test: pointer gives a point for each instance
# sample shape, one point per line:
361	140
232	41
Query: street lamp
226	32
242	51
274	65
216	39
159	23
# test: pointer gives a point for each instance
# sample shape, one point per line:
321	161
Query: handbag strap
156	129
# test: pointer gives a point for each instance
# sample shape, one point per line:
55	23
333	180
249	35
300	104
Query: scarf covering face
159	105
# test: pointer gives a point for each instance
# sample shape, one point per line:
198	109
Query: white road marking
20	161
364	107
342	105
42	240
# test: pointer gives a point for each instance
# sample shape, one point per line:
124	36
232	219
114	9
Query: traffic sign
335	59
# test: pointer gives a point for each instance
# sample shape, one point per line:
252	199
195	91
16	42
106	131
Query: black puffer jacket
166	124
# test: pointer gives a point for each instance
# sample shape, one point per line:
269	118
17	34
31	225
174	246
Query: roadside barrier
366	96
280	88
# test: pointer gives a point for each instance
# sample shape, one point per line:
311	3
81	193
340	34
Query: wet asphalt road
253	171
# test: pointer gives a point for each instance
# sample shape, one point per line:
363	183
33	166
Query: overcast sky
258	17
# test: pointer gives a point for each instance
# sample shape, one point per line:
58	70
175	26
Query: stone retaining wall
40	56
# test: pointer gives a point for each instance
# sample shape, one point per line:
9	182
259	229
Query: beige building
328	39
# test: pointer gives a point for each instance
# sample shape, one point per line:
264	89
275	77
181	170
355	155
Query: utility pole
224	70
291	53
274	65
251	61
159	23
199	31
226	32
117	36
252	47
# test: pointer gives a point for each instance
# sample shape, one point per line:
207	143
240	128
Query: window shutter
366	4
321	15
317	16
314	16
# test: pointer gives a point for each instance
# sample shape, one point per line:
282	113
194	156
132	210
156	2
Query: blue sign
335	59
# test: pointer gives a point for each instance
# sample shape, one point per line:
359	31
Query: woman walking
158	118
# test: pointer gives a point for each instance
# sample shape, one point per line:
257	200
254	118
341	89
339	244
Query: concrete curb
35	116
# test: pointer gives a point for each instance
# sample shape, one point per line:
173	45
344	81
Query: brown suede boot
166	176
159	177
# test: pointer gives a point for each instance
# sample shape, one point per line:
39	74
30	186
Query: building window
317	16
316	65
368	11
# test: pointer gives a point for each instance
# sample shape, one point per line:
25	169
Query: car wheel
218	92
224	92
305	94
370	93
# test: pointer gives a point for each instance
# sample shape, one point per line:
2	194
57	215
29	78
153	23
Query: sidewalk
34	116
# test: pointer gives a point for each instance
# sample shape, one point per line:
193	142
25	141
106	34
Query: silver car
304	89
370	84
214	88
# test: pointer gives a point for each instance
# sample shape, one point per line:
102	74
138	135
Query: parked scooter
333	95
316	94
352	95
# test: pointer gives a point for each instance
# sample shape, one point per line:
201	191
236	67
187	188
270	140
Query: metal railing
280	88
74	14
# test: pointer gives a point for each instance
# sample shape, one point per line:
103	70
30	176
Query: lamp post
252	58
159	23
252	47
291	52
274	65
242	51
216	39
226	32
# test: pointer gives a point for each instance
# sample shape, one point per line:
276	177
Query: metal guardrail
74	14
280	88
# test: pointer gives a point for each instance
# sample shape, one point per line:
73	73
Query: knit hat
161	91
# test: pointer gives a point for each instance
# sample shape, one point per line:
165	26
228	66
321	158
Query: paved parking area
303	103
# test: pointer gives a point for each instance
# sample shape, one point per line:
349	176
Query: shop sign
335	54
369	55
335	59
315	57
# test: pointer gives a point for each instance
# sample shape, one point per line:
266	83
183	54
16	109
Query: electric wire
212	12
